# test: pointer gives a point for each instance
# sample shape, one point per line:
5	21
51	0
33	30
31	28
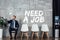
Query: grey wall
18	7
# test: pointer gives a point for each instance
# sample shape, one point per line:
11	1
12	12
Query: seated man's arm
17	24
9	21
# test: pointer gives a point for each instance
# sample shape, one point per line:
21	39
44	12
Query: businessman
13	26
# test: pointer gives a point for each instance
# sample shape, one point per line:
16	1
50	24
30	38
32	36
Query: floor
31	39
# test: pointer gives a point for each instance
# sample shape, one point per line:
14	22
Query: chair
35	30
45	29
24	30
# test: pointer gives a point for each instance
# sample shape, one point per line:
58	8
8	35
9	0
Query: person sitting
14	25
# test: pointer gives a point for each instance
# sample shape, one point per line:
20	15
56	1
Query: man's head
13	17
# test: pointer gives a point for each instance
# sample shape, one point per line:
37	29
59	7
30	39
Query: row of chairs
34	29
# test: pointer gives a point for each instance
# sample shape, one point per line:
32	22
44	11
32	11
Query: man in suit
13	26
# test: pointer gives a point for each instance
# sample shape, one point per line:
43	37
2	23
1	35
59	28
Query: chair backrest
24	25
44	25
34	25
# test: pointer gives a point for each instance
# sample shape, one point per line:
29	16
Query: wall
18	7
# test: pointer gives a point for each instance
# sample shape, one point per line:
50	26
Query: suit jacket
16	23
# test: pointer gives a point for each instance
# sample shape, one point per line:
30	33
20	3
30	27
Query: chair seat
35	28
44	28
13	31
24	28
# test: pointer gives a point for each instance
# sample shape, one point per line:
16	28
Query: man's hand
15	27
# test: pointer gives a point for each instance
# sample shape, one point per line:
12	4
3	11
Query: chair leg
42	34
37	34
32	34
27	35
47	34
21	35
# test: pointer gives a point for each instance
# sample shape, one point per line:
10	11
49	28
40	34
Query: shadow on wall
20	25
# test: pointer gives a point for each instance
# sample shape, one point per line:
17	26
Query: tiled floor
31	39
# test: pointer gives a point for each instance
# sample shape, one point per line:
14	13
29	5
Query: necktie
14	23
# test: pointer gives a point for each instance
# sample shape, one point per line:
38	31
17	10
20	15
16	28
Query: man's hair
14	16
